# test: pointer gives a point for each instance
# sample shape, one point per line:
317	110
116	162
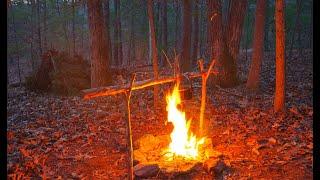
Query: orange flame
183	142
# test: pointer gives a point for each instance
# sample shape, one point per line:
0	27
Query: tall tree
73	28
185	61
64	26
131	51
106	21
120	34
296	29
32	23
257	56
177	20
100	72
279	97
154	50
38	28
45	26
232	37
165	27
215	30
16	45
195	33
116	33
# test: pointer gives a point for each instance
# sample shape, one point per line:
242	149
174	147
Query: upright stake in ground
205	76
129	132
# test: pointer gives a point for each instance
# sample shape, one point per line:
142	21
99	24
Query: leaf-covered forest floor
67	137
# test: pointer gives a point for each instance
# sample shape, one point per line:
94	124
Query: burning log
113	90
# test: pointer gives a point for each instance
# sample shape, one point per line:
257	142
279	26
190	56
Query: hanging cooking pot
185	88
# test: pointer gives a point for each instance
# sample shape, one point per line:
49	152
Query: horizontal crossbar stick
113	90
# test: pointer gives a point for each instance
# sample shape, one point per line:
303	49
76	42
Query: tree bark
177	19
257	56
120	35
16	46
185	62
231	42
107	19
196	33
32	34
100	72
39	32
64	26
154	51
73	29
296	28
131	50
279	97
116	34
215	30
45	32
165	29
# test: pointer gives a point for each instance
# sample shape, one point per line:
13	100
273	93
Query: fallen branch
223	90
113	90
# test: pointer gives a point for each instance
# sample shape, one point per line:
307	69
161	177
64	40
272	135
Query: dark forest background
36	26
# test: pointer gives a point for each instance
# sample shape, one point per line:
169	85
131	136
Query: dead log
113	90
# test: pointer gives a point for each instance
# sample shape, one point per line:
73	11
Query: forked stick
205	76
129	131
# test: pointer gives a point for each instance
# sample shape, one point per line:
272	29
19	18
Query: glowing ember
183	142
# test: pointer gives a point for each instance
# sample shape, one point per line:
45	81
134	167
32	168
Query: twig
166	57
129	132
228	91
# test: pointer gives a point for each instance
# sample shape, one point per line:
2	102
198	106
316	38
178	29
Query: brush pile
61	74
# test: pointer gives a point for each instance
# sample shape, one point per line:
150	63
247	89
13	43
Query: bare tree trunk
215	30
132	43
154	51
279	97
32	34
39	31
45	31
16	47
267	25
311	26
202	30
231	38
120	35
73	29
196	33
107	19
297	29
185	62
116	33
176	32
100	72
159	27
257	56
165	29
64	26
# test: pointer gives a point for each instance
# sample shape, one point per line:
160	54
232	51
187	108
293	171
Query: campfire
178	152
183	142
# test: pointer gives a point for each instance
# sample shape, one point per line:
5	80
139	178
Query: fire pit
178	152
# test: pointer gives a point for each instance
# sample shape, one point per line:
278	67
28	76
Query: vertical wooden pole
129	131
